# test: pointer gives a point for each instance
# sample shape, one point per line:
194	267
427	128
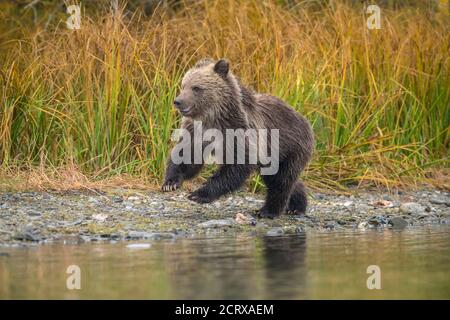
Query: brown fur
212	94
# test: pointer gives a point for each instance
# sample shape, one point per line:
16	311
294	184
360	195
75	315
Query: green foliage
101	97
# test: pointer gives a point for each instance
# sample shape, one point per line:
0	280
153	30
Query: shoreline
74	217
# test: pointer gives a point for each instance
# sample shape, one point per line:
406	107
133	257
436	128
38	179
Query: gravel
122	214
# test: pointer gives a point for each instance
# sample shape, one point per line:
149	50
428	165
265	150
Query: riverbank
121	214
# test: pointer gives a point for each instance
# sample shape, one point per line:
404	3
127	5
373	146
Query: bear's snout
177	103
181	105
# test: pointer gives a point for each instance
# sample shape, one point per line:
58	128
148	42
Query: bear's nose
177	102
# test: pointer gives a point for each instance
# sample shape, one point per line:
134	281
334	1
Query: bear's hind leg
279	187
298	200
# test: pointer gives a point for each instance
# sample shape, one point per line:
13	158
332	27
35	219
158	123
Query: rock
319	196
136	235
117	199
216	223
33	213
299	229
383	203
362	225
441	200
377	221
347	203
274	232
329	225
245	219
27	236
411	208
100	217
398	222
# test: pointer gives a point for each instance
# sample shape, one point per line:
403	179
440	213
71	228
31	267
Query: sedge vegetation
98	101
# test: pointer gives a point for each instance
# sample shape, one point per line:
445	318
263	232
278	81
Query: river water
413	263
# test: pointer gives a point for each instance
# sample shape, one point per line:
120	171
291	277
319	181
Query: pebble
245	219
274	232
329	225
216	223
411	208
100	217
27	236
117	199
398	222
441	200
33	213
362	225
128	215
378	221
137	235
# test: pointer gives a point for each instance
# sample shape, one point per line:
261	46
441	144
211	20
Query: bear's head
207	90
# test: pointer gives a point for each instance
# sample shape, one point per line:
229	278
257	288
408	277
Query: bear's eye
197	89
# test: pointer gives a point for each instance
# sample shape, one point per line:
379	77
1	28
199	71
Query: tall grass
100	98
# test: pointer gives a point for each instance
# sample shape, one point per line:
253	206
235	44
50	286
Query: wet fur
226	104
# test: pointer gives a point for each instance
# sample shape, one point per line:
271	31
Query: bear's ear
222	67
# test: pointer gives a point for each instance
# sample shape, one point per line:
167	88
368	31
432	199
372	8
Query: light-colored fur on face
207	94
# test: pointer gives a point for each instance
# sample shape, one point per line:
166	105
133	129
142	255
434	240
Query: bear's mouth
185	111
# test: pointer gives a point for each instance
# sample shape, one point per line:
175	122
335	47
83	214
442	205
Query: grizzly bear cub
213	96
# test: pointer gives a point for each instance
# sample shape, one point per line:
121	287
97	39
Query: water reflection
285	266
414	264
213	268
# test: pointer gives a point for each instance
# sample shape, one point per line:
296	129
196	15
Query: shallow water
414	263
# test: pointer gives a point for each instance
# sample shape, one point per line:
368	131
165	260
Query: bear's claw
199	197
295	212
170	185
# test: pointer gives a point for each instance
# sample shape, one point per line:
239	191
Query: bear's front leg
174	177
227	179
177	173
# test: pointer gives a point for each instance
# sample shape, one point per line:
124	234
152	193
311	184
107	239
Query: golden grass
99	99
